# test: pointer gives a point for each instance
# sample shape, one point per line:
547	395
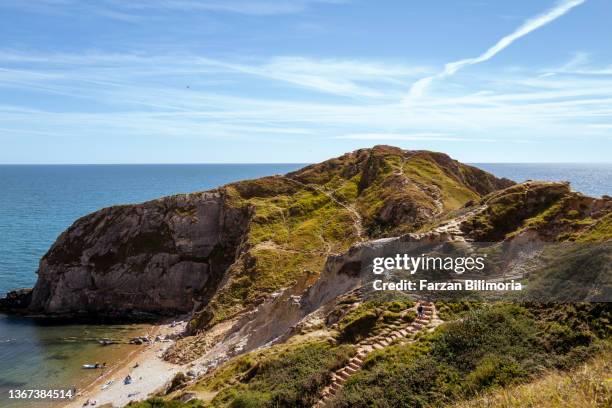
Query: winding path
357	220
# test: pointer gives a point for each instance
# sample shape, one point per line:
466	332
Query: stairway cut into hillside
393	332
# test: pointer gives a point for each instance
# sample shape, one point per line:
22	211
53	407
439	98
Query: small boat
93	366
106	342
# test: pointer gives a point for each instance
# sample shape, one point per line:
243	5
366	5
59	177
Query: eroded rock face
159	257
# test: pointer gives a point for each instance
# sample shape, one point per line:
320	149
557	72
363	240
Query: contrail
419	87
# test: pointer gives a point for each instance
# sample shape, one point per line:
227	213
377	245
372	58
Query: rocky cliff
159	257
218	253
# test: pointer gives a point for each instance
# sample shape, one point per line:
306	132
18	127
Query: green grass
361	321
288	236
492	347
454	194
288	378
588	385
509	209
601	231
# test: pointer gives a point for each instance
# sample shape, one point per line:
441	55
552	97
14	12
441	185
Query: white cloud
419	87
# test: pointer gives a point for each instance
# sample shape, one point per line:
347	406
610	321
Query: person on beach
420	311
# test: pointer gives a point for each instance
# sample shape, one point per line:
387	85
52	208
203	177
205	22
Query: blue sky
174	81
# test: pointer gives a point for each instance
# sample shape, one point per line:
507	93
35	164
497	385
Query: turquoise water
38	202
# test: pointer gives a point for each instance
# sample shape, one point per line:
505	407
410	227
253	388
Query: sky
209	81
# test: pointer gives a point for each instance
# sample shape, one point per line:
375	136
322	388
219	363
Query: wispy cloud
329	100
347	78
420	86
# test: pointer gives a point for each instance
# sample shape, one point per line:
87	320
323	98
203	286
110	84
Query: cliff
221	252
159	257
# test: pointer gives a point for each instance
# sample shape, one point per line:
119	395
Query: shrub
409	316
358	326
290	378
396	306
250	399
490	347
494	370
389	316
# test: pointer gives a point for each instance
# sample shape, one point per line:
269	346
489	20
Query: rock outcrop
16	301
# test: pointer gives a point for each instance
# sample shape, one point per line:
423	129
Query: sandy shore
148	371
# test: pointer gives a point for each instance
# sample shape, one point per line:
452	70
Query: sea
38	202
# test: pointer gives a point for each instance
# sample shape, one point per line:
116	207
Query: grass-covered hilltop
272	277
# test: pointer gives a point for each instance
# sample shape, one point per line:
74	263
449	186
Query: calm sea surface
38	202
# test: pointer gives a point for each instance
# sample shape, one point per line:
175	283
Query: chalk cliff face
222	252
159	257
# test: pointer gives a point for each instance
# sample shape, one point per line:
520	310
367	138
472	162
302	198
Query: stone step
367	348
344	374
378	346
354	366
350	370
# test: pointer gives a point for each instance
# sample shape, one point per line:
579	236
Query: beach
149	372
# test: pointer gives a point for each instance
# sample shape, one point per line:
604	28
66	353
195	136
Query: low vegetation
588	385
491	347
360	322
289	378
